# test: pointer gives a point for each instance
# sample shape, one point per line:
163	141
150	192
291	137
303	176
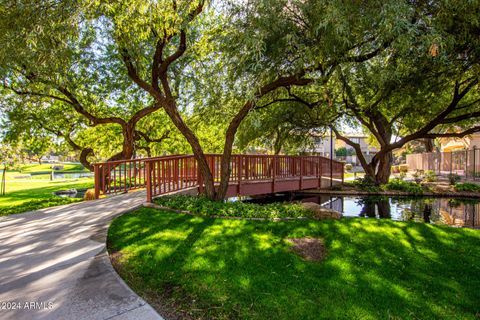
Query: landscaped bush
203	206
366	184
430	176
348	167
453	178
418	175
406	186
37	204
469	187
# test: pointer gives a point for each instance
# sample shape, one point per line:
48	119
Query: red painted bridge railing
250	174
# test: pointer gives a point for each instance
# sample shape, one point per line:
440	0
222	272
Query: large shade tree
117	62
263	46
423	85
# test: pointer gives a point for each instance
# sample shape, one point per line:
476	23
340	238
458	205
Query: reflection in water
455	212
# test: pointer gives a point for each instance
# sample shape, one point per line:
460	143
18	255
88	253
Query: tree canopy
120	79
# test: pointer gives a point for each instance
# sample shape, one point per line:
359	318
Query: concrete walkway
55	260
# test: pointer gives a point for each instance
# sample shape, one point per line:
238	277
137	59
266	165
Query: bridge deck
250	174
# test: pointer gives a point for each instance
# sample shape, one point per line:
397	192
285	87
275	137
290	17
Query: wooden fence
465	163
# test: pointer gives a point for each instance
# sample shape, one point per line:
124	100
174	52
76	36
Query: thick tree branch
453	134
81	110
358	150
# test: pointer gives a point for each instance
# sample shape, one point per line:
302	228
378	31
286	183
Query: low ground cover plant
203	206
467	186
405	186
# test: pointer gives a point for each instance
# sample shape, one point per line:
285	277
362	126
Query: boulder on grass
319	212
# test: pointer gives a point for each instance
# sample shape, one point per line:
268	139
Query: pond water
71	175
455	212
73	193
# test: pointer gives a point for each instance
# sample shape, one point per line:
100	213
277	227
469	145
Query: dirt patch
311	249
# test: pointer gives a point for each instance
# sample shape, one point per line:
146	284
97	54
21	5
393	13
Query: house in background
322	145
457	144
368	150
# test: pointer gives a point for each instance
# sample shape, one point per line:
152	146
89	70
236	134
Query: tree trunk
384	167
207	176
84	154
429	146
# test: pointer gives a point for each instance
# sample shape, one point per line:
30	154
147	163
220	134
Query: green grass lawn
31	194
348	175
238	269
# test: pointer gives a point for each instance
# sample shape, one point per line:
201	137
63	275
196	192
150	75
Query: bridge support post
96	170
319	172
274	172
199	180
239	173
148	181
301	172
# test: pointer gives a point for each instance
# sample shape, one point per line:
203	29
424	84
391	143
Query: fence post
474	163
466	164
451	162
148	181
96	171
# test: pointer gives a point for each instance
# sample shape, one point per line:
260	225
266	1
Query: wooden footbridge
250	174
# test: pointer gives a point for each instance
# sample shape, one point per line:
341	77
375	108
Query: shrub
406	186
402	175
453	178
89	195
430	176
348	167
203	206
418	175
366	184
469	187
403	168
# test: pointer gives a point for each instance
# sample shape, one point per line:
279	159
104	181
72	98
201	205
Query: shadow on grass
215	268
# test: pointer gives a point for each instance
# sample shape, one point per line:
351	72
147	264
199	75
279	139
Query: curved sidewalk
54	264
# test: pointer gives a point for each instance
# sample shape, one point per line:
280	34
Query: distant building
322	146
359	138
456	144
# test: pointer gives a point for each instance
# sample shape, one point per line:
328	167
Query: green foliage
405	186
366	183
348	167
430	176
37	204
453	178
467	186
418	175
203	206
231	269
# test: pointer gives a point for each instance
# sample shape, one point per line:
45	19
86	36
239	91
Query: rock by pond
320	212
